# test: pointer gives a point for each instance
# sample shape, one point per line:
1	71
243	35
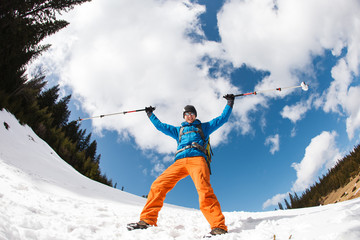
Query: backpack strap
201	133
181	132
206	143
199	130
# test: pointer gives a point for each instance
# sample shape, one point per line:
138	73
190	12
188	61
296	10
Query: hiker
190	159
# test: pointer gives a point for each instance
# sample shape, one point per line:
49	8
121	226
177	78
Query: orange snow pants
197	168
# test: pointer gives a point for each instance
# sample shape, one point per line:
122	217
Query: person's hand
229	97
149	110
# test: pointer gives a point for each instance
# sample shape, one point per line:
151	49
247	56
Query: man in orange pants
190	159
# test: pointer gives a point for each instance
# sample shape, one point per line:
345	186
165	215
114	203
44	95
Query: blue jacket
188	139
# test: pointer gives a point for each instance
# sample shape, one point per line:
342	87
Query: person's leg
160	187
209	205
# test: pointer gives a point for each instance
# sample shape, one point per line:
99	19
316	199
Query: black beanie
189	108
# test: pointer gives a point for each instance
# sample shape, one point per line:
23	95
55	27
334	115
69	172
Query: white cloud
296	112
168	159
353	109
157	169
337	91
274	142
320	155
243	109
341	98
159	164
274	200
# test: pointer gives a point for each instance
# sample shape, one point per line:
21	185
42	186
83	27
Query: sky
124	55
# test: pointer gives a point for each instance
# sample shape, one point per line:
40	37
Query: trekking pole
303	85
111	114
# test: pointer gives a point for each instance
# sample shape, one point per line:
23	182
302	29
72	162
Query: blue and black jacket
194	136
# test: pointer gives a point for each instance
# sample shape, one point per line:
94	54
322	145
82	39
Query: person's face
190	117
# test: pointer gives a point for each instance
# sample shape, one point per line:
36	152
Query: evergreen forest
23	25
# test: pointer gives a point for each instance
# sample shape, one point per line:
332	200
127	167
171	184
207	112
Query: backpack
206	148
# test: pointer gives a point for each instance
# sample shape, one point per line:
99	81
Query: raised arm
162	127
216	123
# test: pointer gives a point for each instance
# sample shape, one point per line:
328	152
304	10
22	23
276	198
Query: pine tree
61	112
48	98
91	150
288	206
73	131
280	206
58	109
23	25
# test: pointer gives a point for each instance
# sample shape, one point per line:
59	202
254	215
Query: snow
42	197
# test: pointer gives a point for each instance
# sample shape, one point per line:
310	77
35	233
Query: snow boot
139	225
215	232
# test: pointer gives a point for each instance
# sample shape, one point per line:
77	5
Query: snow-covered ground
42	197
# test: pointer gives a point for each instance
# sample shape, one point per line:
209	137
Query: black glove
230	99
149	110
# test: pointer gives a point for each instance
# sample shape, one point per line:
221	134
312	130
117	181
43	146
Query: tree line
345	169
23	25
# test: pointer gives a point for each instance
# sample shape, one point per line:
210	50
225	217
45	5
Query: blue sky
124	55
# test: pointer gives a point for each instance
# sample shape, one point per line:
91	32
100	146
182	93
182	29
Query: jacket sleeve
216	123
165	128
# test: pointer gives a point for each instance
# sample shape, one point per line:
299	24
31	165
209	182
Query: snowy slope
42	197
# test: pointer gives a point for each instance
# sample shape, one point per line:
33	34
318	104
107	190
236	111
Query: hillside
348	192
42	197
